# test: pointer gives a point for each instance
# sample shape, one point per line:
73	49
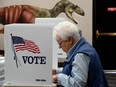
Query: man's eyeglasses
60	43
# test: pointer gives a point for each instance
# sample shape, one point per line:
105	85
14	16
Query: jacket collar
74	49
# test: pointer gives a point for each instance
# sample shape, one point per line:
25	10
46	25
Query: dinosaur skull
70	8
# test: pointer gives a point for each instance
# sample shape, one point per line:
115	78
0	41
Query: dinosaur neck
56	11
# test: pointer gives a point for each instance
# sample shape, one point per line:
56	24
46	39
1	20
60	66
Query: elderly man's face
65	45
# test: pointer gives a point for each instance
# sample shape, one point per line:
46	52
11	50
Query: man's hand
54	72
54	78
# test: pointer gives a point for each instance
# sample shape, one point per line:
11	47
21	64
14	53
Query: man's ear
71	40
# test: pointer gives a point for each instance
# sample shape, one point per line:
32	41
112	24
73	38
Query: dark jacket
96	76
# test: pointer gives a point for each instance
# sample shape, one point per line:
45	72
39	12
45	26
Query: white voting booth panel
57	53
28	54
10	85
49	20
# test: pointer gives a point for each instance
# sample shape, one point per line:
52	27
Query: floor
111	77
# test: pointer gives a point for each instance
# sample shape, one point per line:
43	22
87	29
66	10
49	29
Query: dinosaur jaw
69	10
69	15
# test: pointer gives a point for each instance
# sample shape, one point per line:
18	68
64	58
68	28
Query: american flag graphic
22	44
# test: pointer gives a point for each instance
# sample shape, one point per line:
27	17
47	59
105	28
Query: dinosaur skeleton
28	13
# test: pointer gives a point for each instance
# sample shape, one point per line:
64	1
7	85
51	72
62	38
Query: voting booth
57	53
28	55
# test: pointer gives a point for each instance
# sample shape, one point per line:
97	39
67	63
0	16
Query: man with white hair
82	67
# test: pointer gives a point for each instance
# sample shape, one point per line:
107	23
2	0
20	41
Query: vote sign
28	54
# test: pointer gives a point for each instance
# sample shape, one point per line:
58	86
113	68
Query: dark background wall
104	31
